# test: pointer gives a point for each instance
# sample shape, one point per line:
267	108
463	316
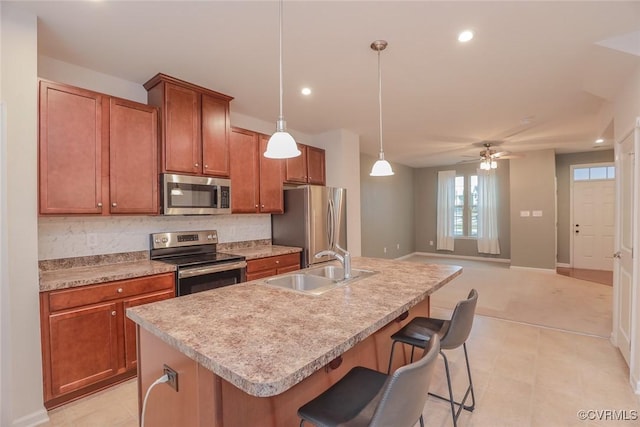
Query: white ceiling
556	63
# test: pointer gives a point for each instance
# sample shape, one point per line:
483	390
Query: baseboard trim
33	419
540	270
471	258
563	265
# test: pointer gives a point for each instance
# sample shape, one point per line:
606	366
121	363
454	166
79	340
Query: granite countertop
263	251
265	339
71	277
90	270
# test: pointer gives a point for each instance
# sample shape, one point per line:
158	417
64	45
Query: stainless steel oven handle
201	271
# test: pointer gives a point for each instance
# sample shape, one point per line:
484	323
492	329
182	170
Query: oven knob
209	236
157	240
165	240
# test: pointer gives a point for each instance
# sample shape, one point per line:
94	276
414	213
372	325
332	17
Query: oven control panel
183	238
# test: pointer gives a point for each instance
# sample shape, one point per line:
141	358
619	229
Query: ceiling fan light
381	168
494	164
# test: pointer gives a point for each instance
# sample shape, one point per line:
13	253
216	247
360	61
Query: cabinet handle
113	313
114	204
99	204
119	290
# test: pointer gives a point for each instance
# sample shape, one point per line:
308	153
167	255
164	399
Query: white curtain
446	200
488	212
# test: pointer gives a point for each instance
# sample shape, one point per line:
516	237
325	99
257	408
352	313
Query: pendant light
381	167
281	145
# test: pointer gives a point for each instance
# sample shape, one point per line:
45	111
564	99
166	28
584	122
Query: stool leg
451	401
413	347
393	345
301	423
473	396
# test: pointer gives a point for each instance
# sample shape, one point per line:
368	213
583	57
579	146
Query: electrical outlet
398	246
430	242
384	249
173	377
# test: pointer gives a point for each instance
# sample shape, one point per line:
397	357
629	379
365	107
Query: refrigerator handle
330	224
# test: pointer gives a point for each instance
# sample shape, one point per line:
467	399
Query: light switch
537	213
524	213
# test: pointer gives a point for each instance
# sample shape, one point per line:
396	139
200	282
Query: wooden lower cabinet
87	341
270	266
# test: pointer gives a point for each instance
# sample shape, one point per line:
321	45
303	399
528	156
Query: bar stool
453	334
365	397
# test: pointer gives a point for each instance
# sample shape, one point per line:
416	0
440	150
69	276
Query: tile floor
525	373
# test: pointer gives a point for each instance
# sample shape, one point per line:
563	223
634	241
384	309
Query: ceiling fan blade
500	154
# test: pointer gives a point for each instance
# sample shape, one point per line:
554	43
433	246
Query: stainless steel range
200	266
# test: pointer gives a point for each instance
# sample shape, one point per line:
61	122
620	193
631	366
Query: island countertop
264	339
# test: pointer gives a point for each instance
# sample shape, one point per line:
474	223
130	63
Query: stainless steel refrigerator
315	219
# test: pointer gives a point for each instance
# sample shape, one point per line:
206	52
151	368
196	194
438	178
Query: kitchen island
251	354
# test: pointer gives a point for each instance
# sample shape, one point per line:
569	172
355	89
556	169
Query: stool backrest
405	391
461	322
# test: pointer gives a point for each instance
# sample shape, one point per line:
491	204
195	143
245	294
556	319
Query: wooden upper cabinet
72	145
308	168
315	166
181	134
296	167
195	126
256	182
133	153
97	154
215	136
271	180
243	153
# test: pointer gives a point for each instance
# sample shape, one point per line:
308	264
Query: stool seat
419	331
349	402
364	397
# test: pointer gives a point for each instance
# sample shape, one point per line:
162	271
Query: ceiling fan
488	155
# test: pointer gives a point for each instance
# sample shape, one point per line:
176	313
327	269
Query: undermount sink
317	280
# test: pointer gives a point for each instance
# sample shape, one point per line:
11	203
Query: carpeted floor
528	296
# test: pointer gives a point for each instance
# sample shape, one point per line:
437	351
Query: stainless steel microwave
195	195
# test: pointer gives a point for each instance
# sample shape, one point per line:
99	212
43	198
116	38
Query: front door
624	280
593	223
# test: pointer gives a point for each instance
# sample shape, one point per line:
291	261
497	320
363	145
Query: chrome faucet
345	259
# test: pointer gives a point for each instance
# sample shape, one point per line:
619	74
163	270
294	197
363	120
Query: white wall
22	405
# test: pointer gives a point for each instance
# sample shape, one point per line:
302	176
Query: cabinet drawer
69	298
269	263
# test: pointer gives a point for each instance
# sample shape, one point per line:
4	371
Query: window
594	173
465	211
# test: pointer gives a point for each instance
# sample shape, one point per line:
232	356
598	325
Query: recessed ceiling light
599	141
465	36
306	91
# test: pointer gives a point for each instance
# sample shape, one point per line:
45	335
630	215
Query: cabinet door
215	136
133	153
83	347
130	327
296	167
243	153
315	166
71	143
271	181
182	129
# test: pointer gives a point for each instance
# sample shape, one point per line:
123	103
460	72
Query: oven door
204	278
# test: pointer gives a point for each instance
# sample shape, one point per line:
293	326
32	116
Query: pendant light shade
281	145
381	167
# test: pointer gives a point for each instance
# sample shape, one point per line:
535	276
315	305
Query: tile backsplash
65	237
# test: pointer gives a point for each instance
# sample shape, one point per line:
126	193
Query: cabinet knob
196	165
113	313
99	204
114	204
256	206
119	290
262	206
277	261
206	166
